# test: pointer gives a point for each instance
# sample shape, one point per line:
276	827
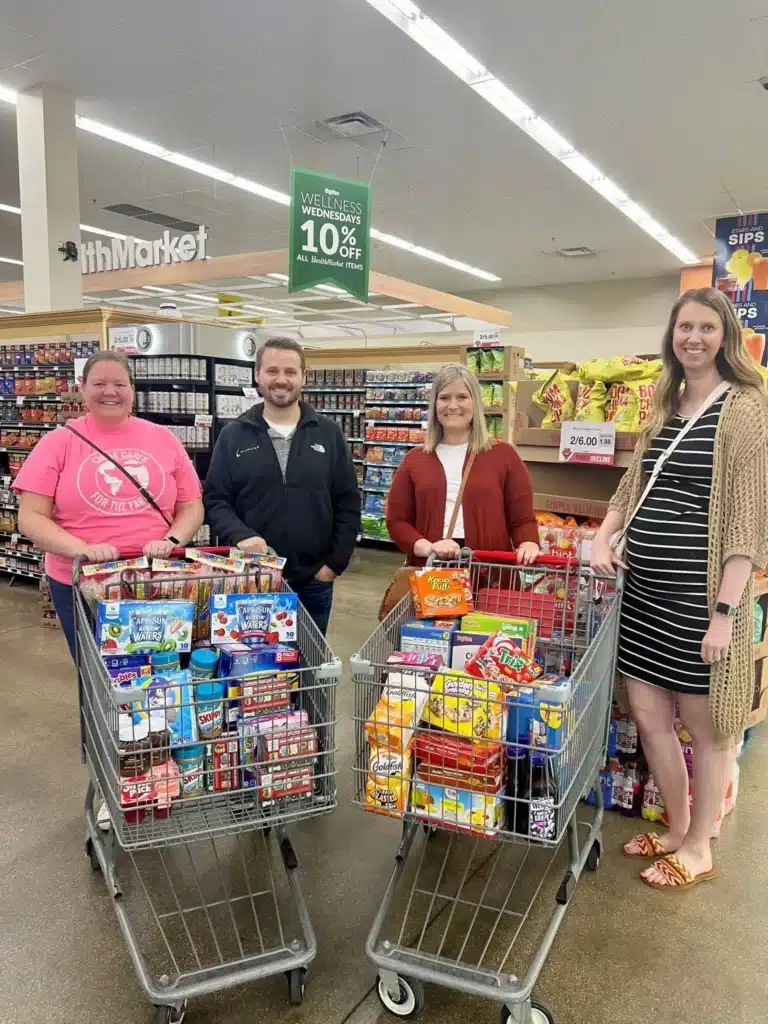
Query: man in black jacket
281	476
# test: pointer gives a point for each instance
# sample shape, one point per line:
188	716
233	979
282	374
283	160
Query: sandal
649	843
676	875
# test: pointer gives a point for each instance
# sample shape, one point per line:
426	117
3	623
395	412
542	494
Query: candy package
590	402
441	593
502	660
556	399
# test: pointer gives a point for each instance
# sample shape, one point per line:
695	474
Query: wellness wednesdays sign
330	239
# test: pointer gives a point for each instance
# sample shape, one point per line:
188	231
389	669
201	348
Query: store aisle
624	954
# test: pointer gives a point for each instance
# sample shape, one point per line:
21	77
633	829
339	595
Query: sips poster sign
740	270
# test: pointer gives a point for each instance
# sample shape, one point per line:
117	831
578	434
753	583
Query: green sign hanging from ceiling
330	232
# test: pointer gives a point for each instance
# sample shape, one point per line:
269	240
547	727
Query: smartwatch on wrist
729	610
174	540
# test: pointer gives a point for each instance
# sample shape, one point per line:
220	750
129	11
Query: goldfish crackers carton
388	785
441	593
399	710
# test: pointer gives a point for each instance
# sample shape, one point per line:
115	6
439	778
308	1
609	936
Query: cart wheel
540	1014
296	985
169	1014
410	999
90	853
593	857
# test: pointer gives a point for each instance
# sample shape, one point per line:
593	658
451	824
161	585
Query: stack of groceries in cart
202	659
470	730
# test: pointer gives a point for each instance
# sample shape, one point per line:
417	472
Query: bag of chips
619	368
590	402
629	404
555	398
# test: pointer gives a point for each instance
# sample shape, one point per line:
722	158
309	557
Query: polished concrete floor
624	955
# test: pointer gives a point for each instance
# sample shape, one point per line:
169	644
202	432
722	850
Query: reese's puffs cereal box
441	593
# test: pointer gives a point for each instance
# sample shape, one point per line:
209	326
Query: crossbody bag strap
111	459
665	455
460	495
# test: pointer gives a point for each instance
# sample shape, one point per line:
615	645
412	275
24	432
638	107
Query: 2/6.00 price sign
590	443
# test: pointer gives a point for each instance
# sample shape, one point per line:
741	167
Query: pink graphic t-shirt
93	500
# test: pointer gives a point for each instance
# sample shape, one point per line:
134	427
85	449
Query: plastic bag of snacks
441	593
590	402
619	368
105	581
555	398
629	404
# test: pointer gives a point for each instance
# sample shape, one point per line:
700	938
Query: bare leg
654	712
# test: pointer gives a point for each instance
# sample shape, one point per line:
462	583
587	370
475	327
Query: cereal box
461	809
501	658
485	622
140	627
428	637
399	710
388	784
460	704
464	646
254	618
441	592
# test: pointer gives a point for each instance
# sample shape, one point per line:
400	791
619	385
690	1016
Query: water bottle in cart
542	813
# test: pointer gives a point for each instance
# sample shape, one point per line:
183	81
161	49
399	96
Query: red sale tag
590	443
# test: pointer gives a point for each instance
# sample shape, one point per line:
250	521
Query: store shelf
491	378
29	573
13	553
345	412
27	425
359	462
49	397
394	444
541	453
354	440
382	465
397	384
231	389
173	381
395	423
381	540
10	508
145	414
38	368
23	451
493	412
329	389
375	490
376	401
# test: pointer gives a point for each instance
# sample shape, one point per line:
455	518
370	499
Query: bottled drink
517	791
542	814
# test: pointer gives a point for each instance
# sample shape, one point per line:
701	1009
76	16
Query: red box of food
278	783
265	692
288	744
449	761
222	765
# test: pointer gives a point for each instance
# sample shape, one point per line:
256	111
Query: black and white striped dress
665	609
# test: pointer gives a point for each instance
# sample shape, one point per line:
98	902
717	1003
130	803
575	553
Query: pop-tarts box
254	619
141	627
464	646
429	636
540	715
240	659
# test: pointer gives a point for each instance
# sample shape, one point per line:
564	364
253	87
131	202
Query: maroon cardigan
497	505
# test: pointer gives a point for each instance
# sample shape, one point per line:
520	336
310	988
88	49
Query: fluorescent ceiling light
439	44
277	277
134	291
405	9
4	208
17	311
202	298
10	209
265	309
6	259
157	288
330	288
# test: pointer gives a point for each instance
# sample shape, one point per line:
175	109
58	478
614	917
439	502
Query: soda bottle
542	814
517	790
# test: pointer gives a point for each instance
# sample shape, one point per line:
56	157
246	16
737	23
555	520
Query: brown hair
107	356
286	344
478	434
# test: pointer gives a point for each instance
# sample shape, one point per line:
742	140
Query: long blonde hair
734	362
479	441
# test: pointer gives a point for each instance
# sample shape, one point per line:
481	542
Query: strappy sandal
676	875
649	843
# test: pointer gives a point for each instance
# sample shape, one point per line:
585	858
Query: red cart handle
510	558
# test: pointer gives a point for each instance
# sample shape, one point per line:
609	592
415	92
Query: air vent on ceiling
353	125
574	252
139	213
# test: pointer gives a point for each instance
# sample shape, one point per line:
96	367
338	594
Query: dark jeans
317	598
61	595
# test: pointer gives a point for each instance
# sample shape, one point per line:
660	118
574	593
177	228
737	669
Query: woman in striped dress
671	630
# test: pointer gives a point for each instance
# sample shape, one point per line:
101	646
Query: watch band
729	610
175	540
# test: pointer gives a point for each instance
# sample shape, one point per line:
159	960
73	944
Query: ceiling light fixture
277	277
7	259
202	298
157	288
17	311
105	131
4	208
439	44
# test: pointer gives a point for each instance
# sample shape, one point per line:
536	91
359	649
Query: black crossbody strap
110	458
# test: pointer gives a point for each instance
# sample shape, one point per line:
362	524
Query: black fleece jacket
312	518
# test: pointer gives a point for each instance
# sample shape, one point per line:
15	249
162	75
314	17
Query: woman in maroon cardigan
496	513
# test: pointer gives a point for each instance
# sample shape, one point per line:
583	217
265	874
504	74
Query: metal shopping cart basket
202	872
487	778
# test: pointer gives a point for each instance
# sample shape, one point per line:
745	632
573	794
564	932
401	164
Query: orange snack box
441	593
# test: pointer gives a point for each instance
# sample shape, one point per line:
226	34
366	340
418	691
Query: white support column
50	201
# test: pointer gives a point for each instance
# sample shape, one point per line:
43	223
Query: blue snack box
540	715
125	669
169	696
141	627
429	636
239	659
253	619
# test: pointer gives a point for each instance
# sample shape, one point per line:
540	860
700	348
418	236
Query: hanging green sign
330	239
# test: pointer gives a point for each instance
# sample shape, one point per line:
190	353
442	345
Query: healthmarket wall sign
127	253
330	238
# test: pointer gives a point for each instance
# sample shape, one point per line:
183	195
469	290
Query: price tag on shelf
79	367
124	339
20	400
487	336
6	481
591	443
203	419
252	394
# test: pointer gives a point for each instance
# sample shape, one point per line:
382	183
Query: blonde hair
734	362
479	441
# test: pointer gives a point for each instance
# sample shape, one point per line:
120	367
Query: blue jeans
63	602
317	598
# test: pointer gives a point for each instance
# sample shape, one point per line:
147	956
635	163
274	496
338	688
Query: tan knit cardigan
738	525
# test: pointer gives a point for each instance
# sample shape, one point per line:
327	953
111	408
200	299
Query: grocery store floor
625	955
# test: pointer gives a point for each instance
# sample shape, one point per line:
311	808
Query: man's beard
282	398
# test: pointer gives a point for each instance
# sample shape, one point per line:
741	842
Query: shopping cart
205	886
490	810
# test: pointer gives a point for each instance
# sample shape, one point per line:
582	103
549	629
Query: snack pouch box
222	765
399	710
540	715
426	637
388	784
465	645
462	809
254	618
441	592
465	706
140	627
240	659
450	761
485	622
170	696
432	662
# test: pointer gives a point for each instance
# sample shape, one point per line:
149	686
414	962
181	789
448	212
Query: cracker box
141	627
240	659
399	710
450	761
468	707
441	592
540	715
461	809
281	783
254	618
428	637
485	622
265	692
388	784
464	646
222	765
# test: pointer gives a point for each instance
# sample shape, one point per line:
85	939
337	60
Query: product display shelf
511	361
340	395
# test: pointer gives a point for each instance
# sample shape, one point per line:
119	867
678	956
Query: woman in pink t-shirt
77	503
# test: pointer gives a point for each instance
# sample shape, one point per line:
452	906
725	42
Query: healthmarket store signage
330	239
740	270
126	253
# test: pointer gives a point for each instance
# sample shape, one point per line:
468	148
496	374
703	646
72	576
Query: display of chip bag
465	705
556	399
441	593
590	402
502	660
486	390
619	368
629	404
